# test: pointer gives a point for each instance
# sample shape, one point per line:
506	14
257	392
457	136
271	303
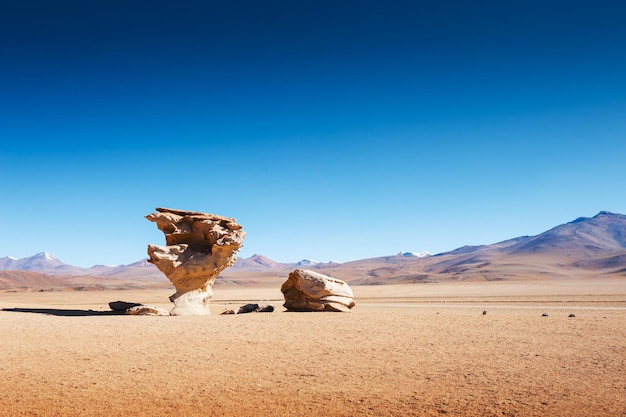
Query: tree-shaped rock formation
199	246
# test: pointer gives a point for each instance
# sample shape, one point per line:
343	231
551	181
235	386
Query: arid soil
405	350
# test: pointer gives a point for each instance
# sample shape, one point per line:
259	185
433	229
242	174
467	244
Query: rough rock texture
142	310
199	246
306	290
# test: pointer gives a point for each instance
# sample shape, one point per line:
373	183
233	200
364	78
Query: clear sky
333	130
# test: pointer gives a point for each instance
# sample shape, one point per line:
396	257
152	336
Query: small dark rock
248	308
572	315
122	305
266	309
545	315
484	312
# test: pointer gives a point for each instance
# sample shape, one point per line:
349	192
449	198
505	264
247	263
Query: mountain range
583	248
46	263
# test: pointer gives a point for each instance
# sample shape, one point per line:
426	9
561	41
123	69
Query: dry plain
405	350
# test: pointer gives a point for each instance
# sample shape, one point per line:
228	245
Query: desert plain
405	350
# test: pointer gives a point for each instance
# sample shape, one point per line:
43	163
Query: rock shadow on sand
63	312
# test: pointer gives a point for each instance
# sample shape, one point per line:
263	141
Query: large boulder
307	290
199	246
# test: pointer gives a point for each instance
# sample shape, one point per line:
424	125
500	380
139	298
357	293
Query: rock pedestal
199	246
307	290
143	310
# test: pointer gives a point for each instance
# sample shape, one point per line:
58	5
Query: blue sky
331	130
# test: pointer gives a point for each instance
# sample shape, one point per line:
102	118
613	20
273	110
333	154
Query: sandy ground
406	350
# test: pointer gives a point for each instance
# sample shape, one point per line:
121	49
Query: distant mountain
45	263
7	262
141	270
314	263
42	262
307	262
421	254
583	237
258	263
583	248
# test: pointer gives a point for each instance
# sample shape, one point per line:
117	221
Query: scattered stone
142	310
484	312
306	290
199	246
572	315
255	308
545	315
122	306
266	309
228	311
248	308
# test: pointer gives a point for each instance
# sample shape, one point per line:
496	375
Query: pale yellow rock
143	310
199	246
307	290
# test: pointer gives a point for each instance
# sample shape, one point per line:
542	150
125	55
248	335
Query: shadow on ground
64	312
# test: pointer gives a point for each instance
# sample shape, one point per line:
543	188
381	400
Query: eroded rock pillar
199	246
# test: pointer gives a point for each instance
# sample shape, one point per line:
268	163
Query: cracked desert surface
404	350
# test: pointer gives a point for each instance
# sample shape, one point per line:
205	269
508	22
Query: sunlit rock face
199	246
143	310
307	290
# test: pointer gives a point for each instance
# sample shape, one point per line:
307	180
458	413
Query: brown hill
35	281
28	279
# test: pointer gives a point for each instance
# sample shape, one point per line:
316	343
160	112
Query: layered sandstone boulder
199	246
307	290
